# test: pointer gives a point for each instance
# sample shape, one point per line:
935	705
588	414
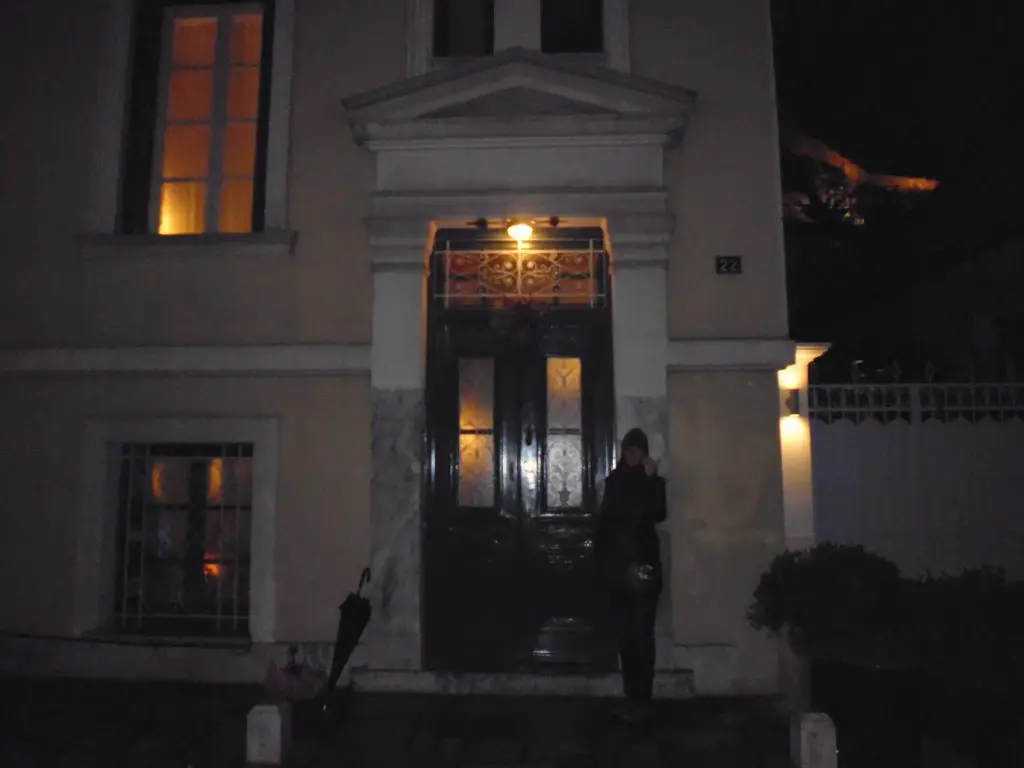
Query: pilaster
640	337
396	376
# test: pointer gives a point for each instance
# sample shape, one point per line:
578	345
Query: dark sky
909	87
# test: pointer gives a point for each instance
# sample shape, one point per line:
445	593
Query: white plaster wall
396	356
639	332
52	476
52	296
929	496
724	178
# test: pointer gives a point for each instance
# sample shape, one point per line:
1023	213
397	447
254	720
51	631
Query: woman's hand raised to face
650	466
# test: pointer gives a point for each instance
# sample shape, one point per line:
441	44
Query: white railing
915	403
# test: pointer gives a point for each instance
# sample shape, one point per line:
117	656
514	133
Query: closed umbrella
354	616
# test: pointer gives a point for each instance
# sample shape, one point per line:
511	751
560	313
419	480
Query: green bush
839	601
836	601
972	625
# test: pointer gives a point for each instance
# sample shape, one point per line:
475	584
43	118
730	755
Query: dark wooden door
520	418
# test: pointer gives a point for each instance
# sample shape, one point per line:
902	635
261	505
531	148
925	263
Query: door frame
550	321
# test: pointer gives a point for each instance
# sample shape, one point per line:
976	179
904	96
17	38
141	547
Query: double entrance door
520	422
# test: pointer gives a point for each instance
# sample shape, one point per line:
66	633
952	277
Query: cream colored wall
725	178
726	512
50	296
322	520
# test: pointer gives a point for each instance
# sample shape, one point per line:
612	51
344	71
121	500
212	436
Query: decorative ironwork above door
565	272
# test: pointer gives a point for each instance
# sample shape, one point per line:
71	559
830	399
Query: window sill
160	641
274	244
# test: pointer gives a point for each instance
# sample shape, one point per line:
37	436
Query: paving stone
493	752
449	751
111	724
222	745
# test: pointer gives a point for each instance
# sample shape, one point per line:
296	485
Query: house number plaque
728	265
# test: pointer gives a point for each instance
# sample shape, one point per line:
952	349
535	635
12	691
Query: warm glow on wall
790	378
793	431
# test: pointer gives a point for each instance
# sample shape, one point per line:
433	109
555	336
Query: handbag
640	576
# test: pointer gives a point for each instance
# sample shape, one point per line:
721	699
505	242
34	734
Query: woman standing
629	561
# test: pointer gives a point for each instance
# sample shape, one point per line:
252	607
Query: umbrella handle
363	579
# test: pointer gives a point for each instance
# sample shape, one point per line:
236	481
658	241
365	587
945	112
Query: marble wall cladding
393	638
651	415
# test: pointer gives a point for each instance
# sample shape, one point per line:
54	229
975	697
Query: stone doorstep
677	684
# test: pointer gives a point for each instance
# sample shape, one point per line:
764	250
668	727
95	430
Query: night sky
909	87
906	87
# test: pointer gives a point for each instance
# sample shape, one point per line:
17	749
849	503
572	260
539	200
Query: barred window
185	515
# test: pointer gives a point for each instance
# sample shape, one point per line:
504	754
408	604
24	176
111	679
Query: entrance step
675	684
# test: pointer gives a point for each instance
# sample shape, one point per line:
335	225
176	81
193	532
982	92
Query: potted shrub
847	612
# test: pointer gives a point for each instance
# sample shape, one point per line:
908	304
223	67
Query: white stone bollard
812	740
268	734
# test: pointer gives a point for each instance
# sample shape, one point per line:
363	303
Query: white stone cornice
398	231
548	131
514	135
638	257
640	240
399	243
470	204
730	354
647	228
285	359
399	259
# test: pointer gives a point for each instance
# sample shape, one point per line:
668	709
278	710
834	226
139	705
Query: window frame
97	563
419	49
153	510
218	121
102	210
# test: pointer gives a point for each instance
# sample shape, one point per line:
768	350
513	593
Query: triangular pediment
518	101
519	93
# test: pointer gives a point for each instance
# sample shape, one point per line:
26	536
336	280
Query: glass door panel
477	457
563	469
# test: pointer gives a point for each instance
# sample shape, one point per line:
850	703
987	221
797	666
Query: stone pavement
87	724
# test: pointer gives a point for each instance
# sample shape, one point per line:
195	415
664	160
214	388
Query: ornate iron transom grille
501	275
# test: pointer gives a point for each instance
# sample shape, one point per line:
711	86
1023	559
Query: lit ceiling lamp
519	231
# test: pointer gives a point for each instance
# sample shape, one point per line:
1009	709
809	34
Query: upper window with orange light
209	110
197	129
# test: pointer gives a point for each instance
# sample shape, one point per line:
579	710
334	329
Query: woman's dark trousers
635	612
